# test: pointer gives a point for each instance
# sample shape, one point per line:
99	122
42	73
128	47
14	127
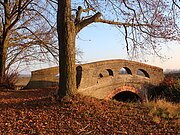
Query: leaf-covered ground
35	112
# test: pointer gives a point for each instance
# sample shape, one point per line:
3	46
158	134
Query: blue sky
102	42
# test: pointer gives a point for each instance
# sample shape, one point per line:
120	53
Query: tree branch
2	3
79	12
126	36
86	22
176	4
96	18
19	12
125	24
53	1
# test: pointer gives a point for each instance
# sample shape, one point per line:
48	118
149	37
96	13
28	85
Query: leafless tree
143	24
27	33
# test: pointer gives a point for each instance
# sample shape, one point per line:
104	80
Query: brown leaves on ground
34	112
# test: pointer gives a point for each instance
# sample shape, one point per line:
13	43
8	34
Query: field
36	112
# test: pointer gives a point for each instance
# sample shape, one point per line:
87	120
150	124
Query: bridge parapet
94	72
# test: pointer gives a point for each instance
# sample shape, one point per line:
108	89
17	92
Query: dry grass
161	109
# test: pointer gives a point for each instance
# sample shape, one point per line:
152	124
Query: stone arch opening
100	75
125	70
78	75
125	93
127	96
110	72
143	73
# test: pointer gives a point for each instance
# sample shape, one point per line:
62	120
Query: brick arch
125	70
110	72
144	73
122	89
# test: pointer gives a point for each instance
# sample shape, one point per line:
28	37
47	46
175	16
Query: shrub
169	89
9	80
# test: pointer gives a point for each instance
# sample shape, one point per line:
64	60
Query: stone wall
43	78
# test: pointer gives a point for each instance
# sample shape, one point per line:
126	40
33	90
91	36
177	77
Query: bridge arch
105	73
78	75
142	72
125	70
127	96
110	72
127	90
100	75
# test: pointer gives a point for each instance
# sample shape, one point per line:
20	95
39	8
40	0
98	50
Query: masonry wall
43	78
94	85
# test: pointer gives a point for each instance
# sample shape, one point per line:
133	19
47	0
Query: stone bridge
105	79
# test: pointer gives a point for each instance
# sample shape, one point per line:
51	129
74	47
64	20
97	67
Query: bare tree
27	33
142	23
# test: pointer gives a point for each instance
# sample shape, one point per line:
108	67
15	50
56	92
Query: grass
162	109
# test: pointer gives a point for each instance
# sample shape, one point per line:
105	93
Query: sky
103	42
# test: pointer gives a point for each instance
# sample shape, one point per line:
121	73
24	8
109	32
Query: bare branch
19	12
176	4
53	1
79	12
125	24
86	22
126	38
2	3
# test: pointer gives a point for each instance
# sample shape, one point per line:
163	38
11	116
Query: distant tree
27	33
143	24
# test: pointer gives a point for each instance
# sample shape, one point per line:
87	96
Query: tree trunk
3	53
1	63
4	40
66	37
